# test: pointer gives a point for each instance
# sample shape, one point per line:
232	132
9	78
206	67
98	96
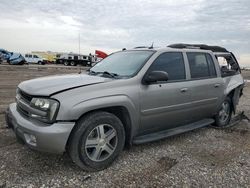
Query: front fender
79	109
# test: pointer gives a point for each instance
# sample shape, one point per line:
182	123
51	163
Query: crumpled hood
47	86
15	56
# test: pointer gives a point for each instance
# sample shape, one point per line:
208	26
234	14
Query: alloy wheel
224	112
101	142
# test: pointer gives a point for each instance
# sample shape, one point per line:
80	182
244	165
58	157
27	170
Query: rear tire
96	141
66	63
223	116
72	63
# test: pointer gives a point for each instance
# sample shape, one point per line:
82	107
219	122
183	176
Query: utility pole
79	45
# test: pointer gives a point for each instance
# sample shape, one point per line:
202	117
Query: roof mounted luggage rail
138	47
199	46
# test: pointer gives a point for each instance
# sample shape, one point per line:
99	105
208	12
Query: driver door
166	105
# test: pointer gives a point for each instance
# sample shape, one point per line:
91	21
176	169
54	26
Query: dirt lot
200	158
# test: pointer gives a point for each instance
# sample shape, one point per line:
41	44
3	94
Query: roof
199	46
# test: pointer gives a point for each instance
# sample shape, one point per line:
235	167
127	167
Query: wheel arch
119	111
235	95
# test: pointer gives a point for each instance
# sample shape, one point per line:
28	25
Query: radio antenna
152	46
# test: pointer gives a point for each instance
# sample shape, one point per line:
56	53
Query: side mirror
155	76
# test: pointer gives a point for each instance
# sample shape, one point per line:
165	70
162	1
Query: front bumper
37	135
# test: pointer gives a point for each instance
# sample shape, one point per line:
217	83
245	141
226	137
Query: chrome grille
24	95
25	98
22	111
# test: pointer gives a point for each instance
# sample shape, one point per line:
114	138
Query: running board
167	133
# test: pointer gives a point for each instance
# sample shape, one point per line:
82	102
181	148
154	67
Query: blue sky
110	25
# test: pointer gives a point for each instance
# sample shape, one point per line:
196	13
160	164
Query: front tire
223	116
96	141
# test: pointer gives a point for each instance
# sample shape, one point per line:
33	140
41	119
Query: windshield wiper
110	74
91	72
113	75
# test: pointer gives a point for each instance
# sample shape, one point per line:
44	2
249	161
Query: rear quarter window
211	65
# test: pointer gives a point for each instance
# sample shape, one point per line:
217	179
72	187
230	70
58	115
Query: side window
227	64
30	56
200	65
35	56
211	65
172	63
26	55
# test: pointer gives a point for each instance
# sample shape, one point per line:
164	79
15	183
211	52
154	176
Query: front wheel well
119	111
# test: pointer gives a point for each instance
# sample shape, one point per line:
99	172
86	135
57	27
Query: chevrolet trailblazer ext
130	97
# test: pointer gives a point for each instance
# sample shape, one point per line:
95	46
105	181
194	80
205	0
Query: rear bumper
37	135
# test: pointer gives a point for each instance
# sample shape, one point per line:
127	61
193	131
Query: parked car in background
4	54
16	59
1	56
34	58
130	97
11	57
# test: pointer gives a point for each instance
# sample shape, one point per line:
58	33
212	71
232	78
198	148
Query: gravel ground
200	158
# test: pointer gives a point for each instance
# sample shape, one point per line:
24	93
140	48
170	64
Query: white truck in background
33	58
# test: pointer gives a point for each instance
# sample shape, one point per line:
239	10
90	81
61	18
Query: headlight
41	103
46	109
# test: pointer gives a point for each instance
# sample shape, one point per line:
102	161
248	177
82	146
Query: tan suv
130	97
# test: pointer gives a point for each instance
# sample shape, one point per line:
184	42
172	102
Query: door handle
183	90
216	85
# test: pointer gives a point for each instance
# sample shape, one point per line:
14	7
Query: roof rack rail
199	46
141	47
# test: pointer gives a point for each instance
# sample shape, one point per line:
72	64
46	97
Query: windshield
123	64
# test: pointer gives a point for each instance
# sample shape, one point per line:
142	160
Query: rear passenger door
206	88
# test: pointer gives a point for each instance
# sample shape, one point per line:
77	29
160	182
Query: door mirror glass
156	76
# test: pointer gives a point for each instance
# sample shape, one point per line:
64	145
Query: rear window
201	65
